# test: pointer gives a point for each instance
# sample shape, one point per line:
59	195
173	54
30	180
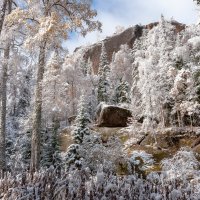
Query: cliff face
113	43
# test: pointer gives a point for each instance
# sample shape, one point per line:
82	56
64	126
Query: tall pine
81	130
50	148
122	92
82	121
103	73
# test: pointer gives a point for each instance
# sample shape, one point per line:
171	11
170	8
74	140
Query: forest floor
161	144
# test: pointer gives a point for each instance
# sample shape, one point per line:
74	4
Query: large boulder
112	116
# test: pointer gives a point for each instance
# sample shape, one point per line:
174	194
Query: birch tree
47	24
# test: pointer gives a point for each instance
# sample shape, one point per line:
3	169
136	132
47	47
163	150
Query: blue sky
125	13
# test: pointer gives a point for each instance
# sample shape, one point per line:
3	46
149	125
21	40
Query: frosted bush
141	159
182	165
195	41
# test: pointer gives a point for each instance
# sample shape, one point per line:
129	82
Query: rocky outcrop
113	43
112	116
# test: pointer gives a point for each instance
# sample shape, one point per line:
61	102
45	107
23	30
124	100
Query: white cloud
130	12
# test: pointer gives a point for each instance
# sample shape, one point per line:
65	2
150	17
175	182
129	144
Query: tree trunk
3	101
191	122
37	117
3	108
2	14
73	99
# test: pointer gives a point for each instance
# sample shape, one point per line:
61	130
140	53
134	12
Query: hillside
113	43
119	119
160	64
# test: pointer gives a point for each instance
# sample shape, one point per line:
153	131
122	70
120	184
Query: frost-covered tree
82	121
121	94
89	67
19	84
179	92
121	66
185	73
108	154
151	83
50	155
77	82
103	59
6	9
103	73
25	150
182	165
3	7
80	131
74	80
92	104
54	90
47	23
18	112
84	66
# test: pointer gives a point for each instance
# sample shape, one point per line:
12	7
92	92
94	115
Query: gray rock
112	116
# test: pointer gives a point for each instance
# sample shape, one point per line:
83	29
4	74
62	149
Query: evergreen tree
79	132
50	151
89	67
92	104
25	95
103	59
82	121
72	156
84	66
103	73
122	92
26	149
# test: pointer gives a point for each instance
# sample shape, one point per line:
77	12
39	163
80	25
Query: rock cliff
113	43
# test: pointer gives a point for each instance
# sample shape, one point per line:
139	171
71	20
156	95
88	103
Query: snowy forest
115	120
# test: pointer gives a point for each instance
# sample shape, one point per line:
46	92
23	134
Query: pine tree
50	151
82	121
84	66
122	92
103	73
26	149
24	95
92	104
103	59
72	155
89	67
3	13
79	132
